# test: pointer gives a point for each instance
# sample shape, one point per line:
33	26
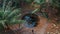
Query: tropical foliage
55	3
9	14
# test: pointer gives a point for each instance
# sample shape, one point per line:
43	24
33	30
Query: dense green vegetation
9	14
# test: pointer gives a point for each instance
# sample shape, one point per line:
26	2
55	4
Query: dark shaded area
8	32
31	20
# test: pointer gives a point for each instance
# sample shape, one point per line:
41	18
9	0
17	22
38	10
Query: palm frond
55	3
39	1
9	14
35	10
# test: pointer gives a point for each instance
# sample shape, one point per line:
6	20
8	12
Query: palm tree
9	14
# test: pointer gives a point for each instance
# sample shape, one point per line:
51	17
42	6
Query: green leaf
1	26
35	10
29	1
15	21
39	1
55	3
14	13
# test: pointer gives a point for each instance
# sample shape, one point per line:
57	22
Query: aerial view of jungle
29	16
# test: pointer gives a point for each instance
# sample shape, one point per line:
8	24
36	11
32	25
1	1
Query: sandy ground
43	27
